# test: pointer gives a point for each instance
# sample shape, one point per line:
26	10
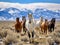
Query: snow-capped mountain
9	11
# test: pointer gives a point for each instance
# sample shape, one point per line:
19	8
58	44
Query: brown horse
44	26
18	25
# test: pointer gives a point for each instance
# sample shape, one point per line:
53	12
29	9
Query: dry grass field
8	36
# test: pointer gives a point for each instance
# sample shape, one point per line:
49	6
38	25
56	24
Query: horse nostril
17	36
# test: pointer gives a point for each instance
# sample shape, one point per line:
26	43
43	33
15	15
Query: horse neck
46	22
17	22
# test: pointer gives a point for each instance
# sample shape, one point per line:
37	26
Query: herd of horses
29	27
45	25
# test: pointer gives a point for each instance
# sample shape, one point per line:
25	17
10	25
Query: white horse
30	25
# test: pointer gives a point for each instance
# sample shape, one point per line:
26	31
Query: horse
30	28
24	24
41	20
44	26
18	25
52	25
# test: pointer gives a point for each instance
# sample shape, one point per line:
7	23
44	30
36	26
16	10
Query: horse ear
23	17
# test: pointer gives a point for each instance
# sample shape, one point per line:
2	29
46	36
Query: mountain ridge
9	11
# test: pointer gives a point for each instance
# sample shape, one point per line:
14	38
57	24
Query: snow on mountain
2	18
9	11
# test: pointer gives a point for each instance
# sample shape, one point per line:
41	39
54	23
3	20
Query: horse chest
18	26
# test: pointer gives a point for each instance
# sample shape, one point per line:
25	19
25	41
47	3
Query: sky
31	1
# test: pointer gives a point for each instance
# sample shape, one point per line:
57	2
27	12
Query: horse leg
32	36
24	30
49	28
41	29
53	28
45	31
29	34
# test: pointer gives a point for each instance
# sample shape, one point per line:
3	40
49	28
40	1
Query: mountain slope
11	11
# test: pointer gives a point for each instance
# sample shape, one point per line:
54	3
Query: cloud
31	6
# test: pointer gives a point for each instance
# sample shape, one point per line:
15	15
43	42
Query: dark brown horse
18	25
51	25
24	24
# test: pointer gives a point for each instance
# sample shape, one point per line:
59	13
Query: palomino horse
41	20
18	25
51	25
44	26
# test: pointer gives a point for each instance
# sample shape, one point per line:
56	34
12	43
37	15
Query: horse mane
53	20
